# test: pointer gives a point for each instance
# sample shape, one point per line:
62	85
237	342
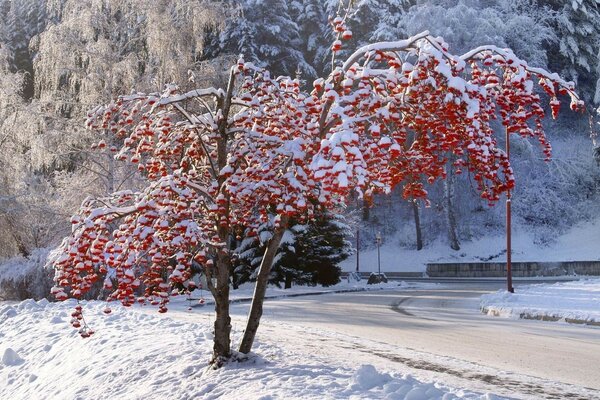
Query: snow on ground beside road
578	244
245	291
577	300
136	355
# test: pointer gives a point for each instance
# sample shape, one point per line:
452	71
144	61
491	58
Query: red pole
508	229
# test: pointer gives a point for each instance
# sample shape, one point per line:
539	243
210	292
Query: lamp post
378	239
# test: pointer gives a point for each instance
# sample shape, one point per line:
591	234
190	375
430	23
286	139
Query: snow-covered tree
309	253
218	160
311	16
577	53
57	59
520	25
269	37
22	21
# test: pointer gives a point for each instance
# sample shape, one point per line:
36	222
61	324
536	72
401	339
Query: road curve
441	331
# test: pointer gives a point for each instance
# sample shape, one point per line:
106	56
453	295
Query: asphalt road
440	333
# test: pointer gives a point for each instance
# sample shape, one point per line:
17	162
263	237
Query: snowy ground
577	301
245	291
135	354
580	243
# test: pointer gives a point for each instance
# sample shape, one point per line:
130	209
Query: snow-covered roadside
136	355
245	291
577	302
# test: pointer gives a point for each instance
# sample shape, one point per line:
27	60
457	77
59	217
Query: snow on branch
401	45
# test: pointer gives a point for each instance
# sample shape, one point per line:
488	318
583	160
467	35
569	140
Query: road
439	333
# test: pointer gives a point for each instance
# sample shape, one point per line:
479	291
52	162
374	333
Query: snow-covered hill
580	243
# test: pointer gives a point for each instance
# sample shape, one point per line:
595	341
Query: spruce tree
309	253
576	55
267	36
311	16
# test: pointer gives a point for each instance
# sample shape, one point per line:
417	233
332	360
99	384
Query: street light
378	239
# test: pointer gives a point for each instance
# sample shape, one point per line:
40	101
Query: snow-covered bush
26	277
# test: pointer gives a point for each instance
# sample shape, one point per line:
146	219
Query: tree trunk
21	247
222	341
15	232
110	175
260	289
450	215
288	281
415	208
366	214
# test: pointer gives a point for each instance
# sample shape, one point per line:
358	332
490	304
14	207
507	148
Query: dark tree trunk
256	309
234	282
288	281
366	214
22	248
18	237
222	341
450	214
415	208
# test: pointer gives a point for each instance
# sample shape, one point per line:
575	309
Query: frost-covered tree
269	37
576	55
21	222
520	25
217	160
58	58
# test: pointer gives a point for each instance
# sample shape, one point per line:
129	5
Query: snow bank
577	301
135	355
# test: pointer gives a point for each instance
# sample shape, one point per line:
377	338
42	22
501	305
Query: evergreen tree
23	20
576	55
267	36
309	253
311	16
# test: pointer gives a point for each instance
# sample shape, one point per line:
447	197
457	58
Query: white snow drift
135	355
577	301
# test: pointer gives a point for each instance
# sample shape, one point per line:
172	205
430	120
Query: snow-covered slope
579	243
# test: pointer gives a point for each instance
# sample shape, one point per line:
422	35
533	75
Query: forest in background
61	58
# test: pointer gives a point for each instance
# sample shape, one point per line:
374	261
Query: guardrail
519	269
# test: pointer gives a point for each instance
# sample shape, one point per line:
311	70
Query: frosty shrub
26	277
